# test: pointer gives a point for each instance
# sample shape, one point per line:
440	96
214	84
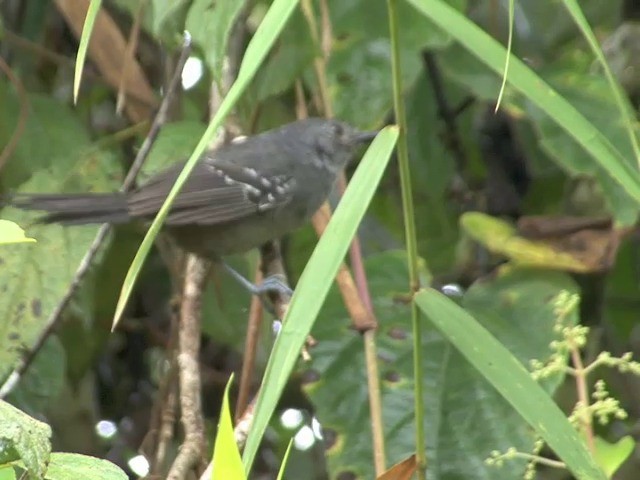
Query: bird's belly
214	241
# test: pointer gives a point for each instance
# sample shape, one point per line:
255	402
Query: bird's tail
75	209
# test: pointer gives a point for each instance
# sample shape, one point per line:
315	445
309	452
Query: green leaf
525	81
92	14
27	438
227	462
165	13
283	465
12	233
610	456
7	473
359	68
52	134
175	142
591	96
315	282
511	379
73	466
44	379
36	276
614	87
256	51
515	305
210	23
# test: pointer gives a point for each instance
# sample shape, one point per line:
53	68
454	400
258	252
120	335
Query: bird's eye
337	129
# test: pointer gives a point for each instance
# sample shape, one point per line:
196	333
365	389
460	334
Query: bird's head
330	143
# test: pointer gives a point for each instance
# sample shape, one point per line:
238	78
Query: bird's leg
273	283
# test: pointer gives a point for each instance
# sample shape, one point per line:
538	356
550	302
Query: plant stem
410	235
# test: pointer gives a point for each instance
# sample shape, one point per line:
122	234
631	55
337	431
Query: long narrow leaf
523	79
92	14
578	17
285	459
266	35
315	282
226	456
511	379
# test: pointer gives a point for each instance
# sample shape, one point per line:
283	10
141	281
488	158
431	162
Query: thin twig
583	398
250	347
85	264
164	410
375	400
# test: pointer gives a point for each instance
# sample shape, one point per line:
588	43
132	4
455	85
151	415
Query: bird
238	196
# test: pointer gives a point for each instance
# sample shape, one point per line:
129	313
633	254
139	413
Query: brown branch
361	317
163	414
356	295
191	455
250	347
583	397
83	268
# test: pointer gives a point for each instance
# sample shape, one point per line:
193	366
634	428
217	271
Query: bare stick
191	452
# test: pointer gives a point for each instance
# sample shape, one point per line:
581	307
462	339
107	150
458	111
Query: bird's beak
364	137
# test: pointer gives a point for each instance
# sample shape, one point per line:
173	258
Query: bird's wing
214	193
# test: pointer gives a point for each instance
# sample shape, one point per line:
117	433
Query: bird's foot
273	283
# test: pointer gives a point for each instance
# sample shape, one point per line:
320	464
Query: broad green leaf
511	380
24	438
175	142
165	14
227	462
12	233
44	380
35	276
73	466
7	473
256	51
610	456
315	282
359	66
52	132
515	305
210	24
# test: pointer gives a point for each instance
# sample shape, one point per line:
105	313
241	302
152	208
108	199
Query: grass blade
511	379
266	35
315	282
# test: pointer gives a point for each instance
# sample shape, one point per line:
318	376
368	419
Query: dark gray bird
237	197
